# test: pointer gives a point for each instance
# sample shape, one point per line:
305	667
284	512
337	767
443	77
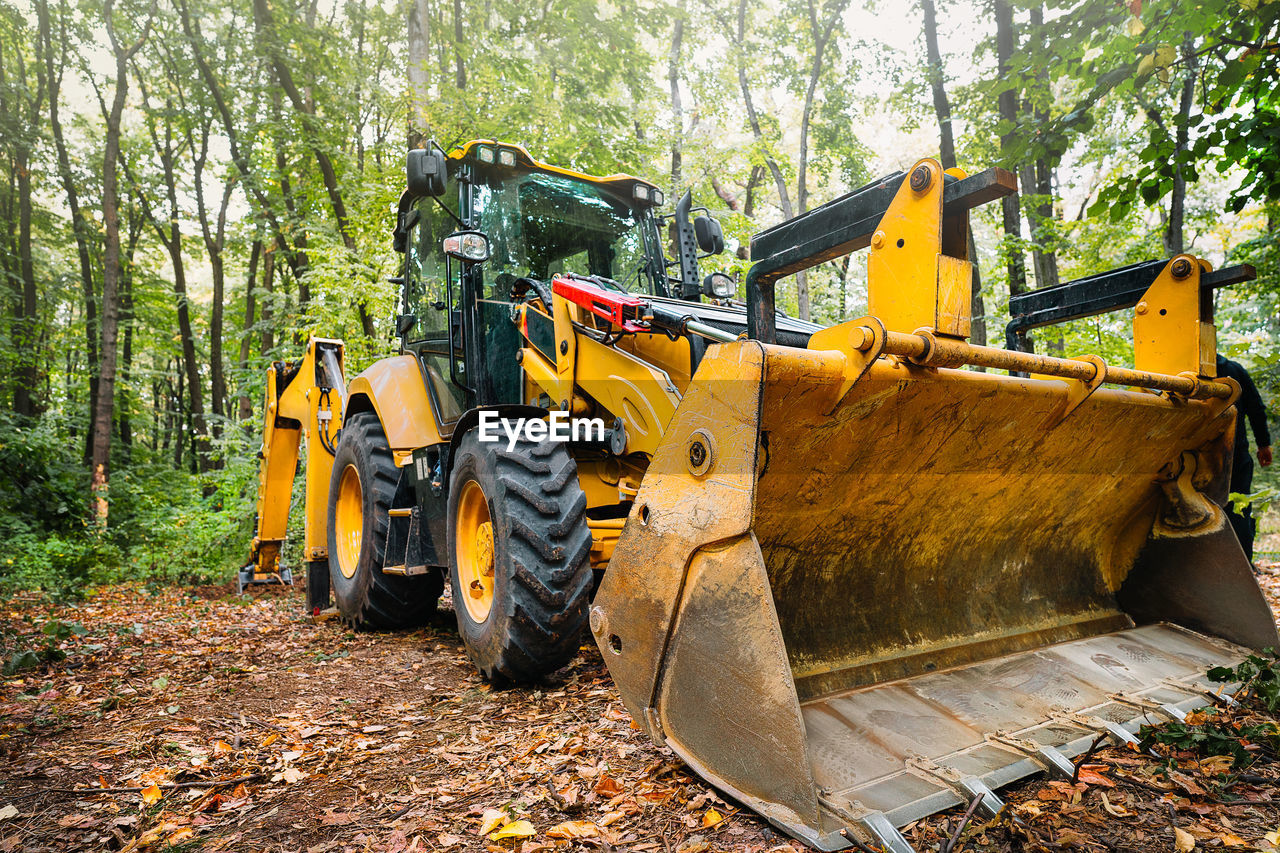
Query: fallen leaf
371	729
608	787
271	738
1029	808
1114	811
711	818
446	841
180	836
290	775
1217	764
574	829
222	748
1183	841
1186	783
1092	777
611	818
491	820
8	811
515	829
337	819
151	795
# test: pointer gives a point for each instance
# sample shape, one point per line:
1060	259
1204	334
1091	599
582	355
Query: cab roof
524	158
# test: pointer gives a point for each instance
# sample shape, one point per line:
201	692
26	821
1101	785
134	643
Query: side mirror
709	235
718	285
468	246
405	322
426	173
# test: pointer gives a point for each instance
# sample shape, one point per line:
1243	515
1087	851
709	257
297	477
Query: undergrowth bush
163	524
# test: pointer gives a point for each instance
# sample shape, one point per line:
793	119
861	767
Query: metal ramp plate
907	748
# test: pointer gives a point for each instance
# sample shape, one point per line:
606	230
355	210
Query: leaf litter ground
207	721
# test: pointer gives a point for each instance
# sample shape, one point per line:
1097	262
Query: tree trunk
179	419
753	181
1174	243
80	227
419	58
190	360
753	118
821	31
941	105
100	458
1008	105
127	321
217	372
214	242
246	405
947	156
1037	189
25	332
268	287
460	68
673	79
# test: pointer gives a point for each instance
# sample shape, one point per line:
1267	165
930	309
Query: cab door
435	336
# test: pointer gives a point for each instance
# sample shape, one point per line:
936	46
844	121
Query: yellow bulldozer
852	575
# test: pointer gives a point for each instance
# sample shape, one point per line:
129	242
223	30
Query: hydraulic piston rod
930	350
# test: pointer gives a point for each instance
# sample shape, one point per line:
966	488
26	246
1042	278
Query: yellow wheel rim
348	521
474	537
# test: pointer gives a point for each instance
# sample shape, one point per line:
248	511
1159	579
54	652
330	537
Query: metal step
404	570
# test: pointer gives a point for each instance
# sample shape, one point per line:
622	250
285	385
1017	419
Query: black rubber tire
542	566
370	599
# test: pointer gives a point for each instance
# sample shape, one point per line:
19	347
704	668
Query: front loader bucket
856	592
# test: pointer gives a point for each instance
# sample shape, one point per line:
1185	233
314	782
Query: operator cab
535	222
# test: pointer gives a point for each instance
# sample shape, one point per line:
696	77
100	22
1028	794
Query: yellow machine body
856	583
861	584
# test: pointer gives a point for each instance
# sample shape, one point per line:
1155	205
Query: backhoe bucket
858	588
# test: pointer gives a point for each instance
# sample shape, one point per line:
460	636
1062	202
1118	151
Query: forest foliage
194	187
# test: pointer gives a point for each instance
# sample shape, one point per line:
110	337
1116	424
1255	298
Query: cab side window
425	273
426	298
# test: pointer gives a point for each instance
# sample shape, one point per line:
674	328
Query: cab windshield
542	225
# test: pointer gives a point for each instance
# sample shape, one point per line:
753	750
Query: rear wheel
519	549
362	490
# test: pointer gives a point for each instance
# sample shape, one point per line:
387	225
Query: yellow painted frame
290	413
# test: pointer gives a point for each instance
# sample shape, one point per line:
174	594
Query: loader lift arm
307	398
1113	290
849	223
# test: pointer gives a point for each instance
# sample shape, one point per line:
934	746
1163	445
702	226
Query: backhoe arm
303	398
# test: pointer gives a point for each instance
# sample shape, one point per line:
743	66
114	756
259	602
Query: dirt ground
193	719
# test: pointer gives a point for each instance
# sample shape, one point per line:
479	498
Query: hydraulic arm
308	398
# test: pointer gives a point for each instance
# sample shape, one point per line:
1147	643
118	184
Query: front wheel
519	548
362	490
